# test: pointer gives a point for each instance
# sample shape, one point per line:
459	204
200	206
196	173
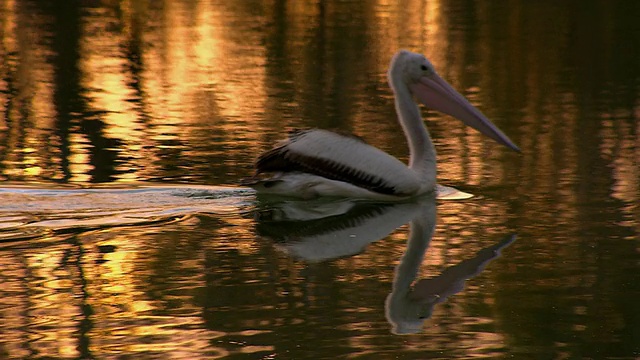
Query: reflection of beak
437	94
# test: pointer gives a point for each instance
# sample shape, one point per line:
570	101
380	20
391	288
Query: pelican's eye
424	67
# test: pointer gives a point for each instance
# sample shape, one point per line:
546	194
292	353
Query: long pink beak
437	94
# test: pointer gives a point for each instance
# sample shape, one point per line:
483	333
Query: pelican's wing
343	158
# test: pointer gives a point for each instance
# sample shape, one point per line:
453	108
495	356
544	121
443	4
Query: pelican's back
343	158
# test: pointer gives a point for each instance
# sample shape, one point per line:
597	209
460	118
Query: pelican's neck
422	158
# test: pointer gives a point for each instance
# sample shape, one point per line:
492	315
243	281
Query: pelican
320	163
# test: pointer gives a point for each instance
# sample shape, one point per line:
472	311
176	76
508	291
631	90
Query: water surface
126	127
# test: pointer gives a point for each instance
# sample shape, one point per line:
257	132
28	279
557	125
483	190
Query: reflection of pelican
317	231
408	307
321	163
321	231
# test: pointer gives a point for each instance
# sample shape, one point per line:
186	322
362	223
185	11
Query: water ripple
30	212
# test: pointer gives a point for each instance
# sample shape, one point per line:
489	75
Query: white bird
320	163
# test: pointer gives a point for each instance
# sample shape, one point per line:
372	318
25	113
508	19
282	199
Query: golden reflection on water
61	294
234	75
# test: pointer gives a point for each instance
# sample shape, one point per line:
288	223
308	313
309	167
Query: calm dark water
125	126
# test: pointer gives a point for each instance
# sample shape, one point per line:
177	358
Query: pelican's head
418	74
409	67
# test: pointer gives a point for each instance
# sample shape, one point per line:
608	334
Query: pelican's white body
347	153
